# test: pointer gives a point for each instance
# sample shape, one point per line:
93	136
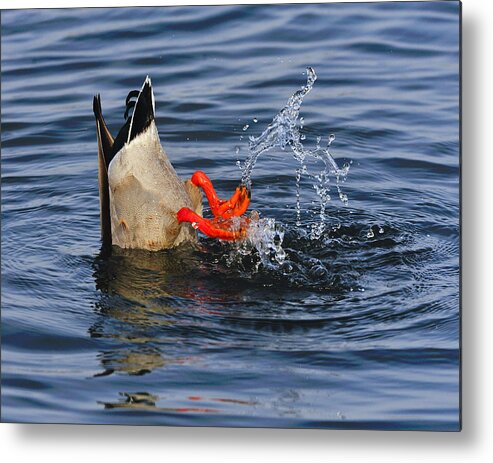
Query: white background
39	443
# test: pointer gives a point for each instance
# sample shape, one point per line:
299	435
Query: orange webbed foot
236	206
218	227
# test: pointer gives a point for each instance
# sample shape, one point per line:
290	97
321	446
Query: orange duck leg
222	226
233	207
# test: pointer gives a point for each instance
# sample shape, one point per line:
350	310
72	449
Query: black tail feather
130	105
105	145
105	136
131	94
143	113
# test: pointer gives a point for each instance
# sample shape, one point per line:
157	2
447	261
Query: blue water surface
359	330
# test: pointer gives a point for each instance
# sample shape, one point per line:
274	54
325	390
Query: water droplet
245	127
332	137
343	197
370	234
255	120
380	230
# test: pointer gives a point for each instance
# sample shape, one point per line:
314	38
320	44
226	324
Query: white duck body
145	193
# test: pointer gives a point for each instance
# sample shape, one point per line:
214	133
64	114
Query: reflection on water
135	286
149	402
176	309
144	401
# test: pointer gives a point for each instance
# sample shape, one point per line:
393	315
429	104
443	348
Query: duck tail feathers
105	145
144	109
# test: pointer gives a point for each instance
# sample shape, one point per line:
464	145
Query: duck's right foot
236	206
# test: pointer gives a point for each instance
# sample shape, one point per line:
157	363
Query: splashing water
283	132
266	236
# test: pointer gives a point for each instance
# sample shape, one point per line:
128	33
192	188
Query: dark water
354	331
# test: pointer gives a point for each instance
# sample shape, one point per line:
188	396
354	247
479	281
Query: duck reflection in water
153	305
154	313
141	295
148	402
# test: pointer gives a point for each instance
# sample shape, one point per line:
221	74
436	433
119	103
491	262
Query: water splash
265	236
285	132
281	132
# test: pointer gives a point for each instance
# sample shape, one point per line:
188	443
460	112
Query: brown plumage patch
123	225
152	244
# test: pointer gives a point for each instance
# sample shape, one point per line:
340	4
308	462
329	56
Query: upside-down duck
143	202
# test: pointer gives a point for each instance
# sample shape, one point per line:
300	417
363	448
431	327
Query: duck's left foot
224	229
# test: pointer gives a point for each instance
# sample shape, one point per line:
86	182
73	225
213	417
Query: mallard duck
143	202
